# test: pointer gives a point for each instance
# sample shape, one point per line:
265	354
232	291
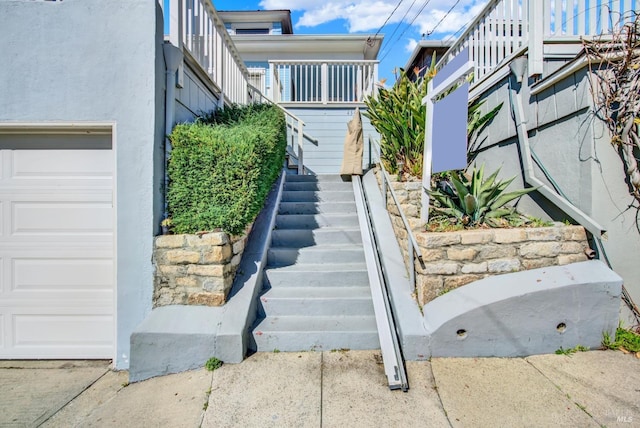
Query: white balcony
322	82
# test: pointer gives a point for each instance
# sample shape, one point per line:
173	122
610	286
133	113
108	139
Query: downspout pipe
517	68
173	57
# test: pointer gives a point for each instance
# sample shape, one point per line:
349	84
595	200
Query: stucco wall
91	60
329	126
576	152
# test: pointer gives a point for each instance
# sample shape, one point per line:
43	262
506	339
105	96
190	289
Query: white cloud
451	23
365	15
411	45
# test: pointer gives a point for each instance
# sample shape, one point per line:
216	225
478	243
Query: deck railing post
374	84
271	92
536	36
324	82
300	153
222	77
175	22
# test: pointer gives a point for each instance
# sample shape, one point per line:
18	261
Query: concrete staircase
316	292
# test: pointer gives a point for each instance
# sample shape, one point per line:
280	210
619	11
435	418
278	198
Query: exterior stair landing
316	293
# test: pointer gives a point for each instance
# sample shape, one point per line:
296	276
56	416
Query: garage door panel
49	332
57	164
99	248
59	275
50	218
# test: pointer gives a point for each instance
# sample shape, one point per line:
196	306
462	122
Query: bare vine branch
616	91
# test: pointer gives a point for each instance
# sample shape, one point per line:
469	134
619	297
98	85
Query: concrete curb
526	313
409	321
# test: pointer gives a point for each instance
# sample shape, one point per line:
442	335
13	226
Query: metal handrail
299	129
415	249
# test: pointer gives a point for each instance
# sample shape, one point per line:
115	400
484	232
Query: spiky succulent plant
475	201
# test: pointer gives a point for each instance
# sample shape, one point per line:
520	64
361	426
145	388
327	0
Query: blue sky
367	16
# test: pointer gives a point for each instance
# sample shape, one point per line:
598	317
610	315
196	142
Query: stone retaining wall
453	259
196	269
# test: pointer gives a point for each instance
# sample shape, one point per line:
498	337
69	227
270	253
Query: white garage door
56	252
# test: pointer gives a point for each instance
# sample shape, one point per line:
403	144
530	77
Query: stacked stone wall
453	259
196	269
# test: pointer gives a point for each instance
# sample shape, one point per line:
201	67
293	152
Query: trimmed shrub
221	173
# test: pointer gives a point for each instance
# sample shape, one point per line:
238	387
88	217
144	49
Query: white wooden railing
196	28
258	79
323	82
504	28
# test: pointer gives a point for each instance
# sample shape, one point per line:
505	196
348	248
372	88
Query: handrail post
412	264
292	129
384	188
300	153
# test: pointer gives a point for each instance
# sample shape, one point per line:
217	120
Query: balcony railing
196	28
505	27
324	82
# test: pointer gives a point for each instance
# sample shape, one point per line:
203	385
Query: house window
240	31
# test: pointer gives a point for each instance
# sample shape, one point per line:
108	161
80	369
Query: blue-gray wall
194	98
575	149
329	126
98	61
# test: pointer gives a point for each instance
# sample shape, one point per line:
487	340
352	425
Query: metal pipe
173	57
529	175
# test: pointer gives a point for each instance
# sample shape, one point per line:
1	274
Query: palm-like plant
398	115
475	201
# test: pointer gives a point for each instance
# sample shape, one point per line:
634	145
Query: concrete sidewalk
330	389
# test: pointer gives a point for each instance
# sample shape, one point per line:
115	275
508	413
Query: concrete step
291	333
299	238
317	301
315	185
317	275
316	207
317	178
326	254
318	196
314	221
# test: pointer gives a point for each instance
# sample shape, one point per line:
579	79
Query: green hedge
221	168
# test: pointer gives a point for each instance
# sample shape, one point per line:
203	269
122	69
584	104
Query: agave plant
475	201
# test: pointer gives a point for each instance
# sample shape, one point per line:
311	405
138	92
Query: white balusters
324	82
